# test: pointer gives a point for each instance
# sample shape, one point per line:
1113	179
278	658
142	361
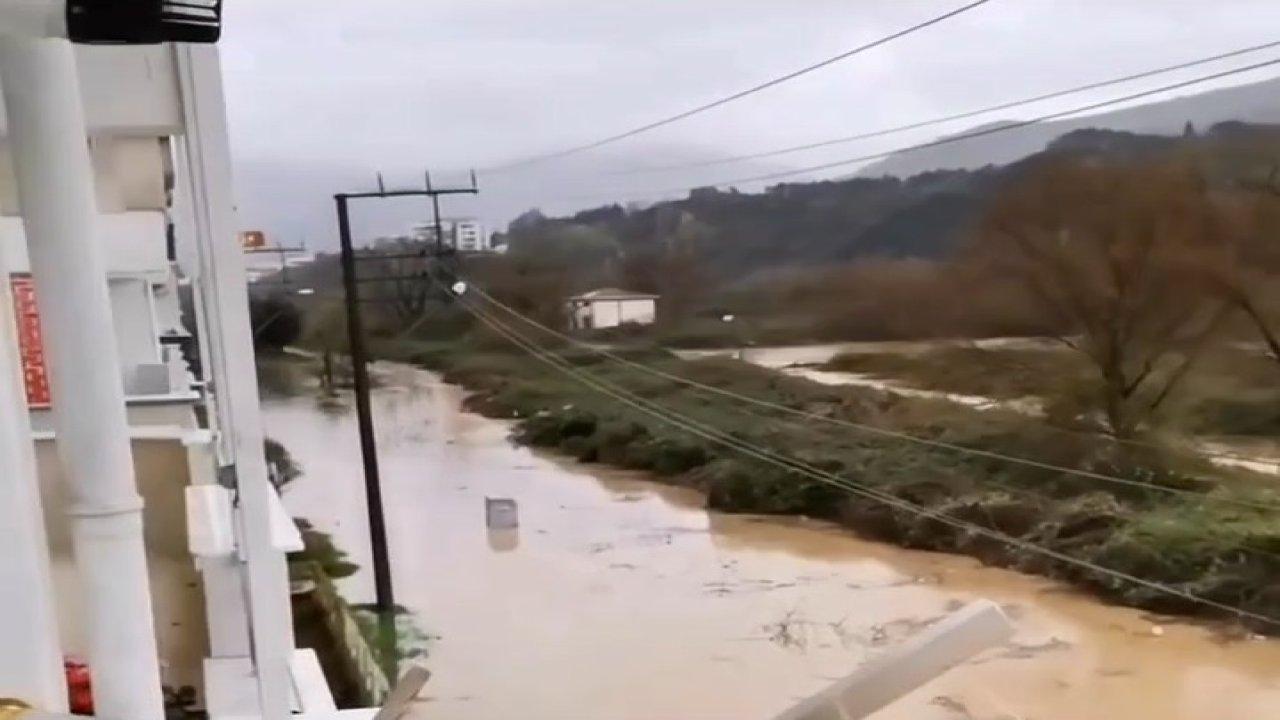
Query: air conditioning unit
142	22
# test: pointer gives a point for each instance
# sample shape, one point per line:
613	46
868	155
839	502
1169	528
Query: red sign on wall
30	344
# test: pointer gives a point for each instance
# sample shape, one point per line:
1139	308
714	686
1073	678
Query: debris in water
788	632
947	702
1157	630
1023	651
718	588
501	513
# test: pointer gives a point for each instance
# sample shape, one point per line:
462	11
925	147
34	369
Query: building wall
144	303
469	236
128	174
134	242
132	314
130	89
612	313
176	591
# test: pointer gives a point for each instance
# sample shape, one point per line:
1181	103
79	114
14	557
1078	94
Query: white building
611	307
115	190
468	235
461	234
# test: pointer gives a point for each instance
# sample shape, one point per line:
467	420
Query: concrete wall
176	591
131	90
134	242
129	174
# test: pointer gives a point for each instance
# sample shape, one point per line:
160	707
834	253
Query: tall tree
1116	254
1246	168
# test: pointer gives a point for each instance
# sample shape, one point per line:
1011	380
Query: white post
35	18
206	167
31	660
954	639
55	190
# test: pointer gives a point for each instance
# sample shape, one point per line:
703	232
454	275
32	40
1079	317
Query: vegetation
1217	549
999	373
276	322
1148	259
1230	393
1114	254
284	469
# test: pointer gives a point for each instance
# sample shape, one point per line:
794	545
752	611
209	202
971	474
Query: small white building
611	307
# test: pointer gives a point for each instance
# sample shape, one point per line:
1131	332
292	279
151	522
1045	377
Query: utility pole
384	597
284	261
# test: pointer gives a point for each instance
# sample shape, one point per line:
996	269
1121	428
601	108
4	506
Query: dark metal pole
435	208
364	414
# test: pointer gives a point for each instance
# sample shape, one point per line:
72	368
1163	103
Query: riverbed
623	599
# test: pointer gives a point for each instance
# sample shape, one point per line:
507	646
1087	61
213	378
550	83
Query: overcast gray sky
325	92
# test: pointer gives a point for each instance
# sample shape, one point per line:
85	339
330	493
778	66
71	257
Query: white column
206	167
31	658
55	191
34	18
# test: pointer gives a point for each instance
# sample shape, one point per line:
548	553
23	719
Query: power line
864	428
956	116
710	433
1012	126
982	132
735	96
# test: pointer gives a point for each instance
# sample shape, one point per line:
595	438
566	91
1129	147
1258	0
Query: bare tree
1116	254
1243	270
403	283
328	332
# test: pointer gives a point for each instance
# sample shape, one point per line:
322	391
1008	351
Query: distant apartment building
461	234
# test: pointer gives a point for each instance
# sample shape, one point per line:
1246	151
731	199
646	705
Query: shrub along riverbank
1201	542
1231	391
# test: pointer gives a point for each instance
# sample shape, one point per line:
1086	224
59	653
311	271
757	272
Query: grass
1231	392
1003	374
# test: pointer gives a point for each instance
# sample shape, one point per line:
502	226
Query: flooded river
621	599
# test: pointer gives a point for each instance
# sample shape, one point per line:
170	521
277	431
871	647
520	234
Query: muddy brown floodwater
621	599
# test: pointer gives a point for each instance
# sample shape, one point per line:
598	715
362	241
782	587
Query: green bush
319	547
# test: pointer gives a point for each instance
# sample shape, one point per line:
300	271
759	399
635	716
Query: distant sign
30	345
253	239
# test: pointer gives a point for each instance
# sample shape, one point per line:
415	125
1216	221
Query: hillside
734	235
1255	103
853	258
